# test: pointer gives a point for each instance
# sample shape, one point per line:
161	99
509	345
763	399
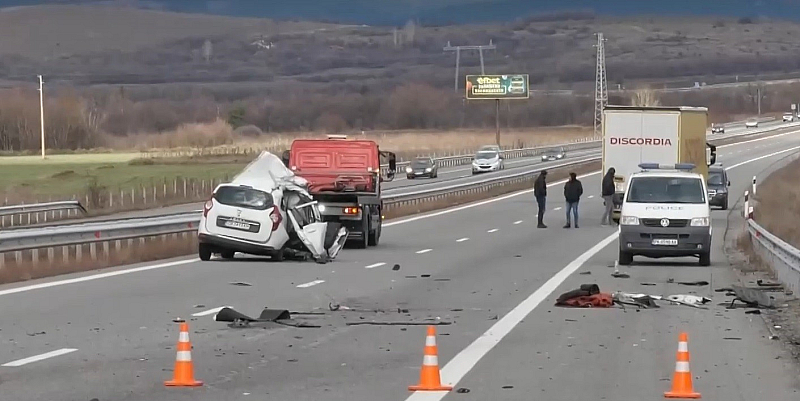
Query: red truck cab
345	177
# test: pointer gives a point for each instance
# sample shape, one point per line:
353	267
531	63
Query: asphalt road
109	335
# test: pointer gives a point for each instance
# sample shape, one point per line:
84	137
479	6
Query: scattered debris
36	334
652	284
724	289
240	283
462	390
638	300
199	306
694	283
267	315
588	295
396	267
689	300
731	338
411	276
570	320
585	273
761	283
507	387
753	312
752	297
441	279
617	274
495	317
425	275
376	323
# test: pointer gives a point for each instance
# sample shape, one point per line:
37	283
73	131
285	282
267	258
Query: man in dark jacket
608	196
540	192
573	190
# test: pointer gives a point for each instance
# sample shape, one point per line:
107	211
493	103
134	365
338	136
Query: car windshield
243	197
421	163
486	155
666	190
715	178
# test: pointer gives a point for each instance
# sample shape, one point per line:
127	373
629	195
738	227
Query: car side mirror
729	183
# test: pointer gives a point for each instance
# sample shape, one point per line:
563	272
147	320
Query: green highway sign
496	87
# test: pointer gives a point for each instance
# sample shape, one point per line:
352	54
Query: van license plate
665	242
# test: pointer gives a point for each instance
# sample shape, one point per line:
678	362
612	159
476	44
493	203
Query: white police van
665	213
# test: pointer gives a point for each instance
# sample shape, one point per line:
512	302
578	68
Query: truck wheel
705	259
625	258
204	251
228	254
364	240
375	235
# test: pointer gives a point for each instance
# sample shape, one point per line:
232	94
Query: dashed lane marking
41	357
424	251
209	312
310	283
518	222
374	265
494	230
462	239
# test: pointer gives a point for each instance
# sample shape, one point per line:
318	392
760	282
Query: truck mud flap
339	239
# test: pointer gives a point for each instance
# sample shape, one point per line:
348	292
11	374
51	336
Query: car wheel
705	259
375	236
227	254
363	242
204	252
625	258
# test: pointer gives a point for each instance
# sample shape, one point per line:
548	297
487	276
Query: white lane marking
558	208
518	222
37	358
494	230
462	363
95	277
763	157
209	312
374	265
310	283
424	251
591	196
393	223
462	239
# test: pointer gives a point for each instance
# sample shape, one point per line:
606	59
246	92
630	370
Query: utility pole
41	110
600	86
458	50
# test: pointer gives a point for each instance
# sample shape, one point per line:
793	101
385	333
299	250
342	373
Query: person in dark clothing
608	196
573	190
540	192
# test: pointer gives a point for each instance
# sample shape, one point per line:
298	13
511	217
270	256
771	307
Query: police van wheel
625	258
705	259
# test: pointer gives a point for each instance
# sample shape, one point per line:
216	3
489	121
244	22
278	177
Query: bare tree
208	50
645	98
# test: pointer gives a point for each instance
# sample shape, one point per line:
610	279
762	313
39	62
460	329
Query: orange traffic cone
682	380
429	376
183	375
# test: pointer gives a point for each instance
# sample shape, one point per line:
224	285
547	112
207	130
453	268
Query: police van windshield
666	190
715	178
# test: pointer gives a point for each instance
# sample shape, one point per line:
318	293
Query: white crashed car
266	210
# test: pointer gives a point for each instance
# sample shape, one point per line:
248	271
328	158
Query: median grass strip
45	263
778	203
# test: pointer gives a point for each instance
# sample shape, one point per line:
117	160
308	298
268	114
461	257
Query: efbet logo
488	80
641	141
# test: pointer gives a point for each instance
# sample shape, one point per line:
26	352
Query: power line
458	49
600	85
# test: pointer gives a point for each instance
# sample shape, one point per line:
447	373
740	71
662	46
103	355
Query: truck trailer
656	135
344	176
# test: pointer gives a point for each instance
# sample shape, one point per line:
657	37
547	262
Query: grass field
778	207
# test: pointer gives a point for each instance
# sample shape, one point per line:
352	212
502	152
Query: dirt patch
63	174
778	207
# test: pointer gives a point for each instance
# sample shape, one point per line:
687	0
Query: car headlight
428	170
619	186
629	221
409	170
321	207
700	222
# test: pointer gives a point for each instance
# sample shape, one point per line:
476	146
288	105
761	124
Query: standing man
573	190
608	196
540	192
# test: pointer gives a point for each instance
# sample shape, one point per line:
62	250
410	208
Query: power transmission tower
458	50
600	85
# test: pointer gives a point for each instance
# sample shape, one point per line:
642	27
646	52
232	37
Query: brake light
351	210
207	207
275	216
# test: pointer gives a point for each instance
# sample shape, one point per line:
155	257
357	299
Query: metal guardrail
55	210
781	256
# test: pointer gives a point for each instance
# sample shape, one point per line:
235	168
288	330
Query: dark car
553	155
718	187
422	167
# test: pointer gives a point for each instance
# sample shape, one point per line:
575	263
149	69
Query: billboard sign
497	87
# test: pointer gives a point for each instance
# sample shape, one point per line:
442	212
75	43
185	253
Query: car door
312	232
